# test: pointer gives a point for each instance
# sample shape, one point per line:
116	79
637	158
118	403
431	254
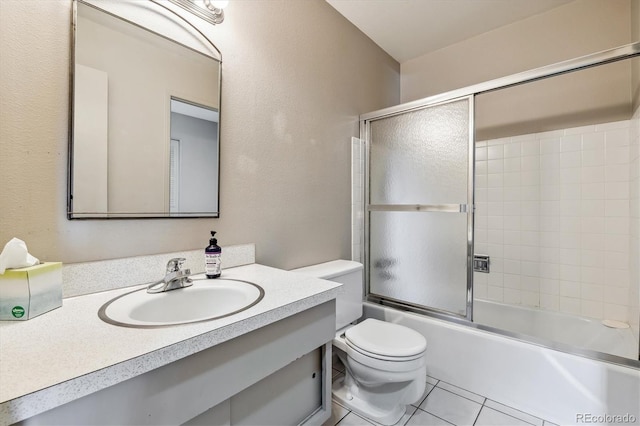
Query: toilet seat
386	341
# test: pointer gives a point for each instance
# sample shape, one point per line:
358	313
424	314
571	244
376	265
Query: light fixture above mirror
209	10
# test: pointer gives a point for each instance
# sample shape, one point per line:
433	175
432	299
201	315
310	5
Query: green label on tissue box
17	311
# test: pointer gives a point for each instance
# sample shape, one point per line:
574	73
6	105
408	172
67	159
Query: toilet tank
349	274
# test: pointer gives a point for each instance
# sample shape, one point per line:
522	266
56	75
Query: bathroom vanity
269	364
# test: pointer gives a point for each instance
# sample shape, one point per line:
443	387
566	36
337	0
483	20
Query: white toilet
385	363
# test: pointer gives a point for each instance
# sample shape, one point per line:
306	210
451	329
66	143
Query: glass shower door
420	223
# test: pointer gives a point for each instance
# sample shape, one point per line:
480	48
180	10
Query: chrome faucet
174	279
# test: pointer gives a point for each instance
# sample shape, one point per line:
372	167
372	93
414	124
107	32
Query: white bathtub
576	331
549	384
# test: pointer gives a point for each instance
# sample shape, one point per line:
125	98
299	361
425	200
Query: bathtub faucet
175	277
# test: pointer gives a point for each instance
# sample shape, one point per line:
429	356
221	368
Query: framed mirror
145	115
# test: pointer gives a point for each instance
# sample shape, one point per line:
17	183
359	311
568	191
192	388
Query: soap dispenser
212	258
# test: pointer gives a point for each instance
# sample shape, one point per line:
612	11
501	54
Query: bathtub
576	331
550	384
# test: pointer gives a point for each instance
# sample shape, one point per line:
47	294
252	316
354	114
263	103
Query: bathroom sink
205	300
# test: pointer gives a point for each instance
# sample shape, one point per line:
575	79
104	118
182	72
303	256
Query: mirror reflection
145	140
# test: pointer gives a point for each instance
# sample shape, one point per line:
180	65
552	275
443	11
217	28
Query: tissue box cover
28	292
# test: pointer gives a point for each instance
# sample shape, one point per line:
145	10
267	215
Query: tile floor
441	404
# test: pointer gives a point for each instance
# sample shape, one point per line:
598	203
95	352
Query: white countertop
69	352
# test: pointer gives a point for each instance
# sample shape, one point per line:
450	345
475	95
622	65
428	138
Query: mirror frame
214	54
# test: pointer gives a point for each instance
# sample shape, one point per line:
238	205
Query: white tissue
15	255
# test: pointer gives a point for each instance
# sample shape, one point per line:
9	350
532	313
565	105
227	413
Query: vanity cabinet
279	374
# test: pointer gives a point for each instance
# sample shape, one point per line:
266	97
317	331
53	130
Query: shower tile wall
553	212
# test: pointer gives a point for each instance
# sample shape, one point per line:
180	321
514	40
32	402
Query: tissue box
28	292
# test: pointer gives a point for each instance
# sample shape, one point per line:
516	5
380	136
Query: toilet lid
385	338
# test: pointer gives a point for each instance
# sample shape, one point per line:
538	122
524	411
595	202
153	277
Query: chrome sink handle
174	279
175	264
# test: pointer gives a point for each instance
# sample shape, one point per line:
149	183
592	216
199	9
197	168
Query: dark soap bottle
213	258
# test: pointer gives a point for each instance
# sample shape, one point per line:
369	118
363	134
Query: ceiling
407	29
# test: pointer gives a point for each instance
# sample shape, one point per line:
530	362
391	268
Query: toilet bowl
385	363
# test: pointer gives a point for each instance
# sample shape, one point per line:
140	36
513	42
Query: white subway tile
512	150
617	138
570	305
592	208
591	309
571	143
616	295
616	260
497	265
570	175
481	222
481	153
570	257
593	191
592	241
528	283
549	208
591	174
617	208
570	191
530	253
616	225
550	271
592	258
512	252
549	239
549	224
549	255
530	222
533	177
592	275
511	223
548	146
494	222
512	281
481	181
495	293
480	144
550	192
616	174
617	191
530	238
495	236
495	250
617	243
496	166
617	155
494	195
512	194
530	269
549	286
512	296
482	168
495	152
593	141
495	180
593	225
570	273
495	208
530	163
496	279
512	179
617	278
512	208
500	141
569	289
616	312
512	237
530	298
570	159
570	240
512	164
479	291
530	148
531	208
593	158
549	302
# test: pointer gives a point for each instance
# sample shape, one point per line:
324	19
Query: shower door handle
447	208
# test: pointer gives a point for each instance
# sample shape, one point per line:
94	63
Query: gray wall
575	29
296	75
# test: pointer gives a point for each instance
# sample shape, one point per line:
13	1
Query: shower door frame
467	208
620	53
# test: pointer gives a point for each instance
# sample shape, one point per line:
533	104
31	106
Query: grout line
478	415
512	416
425	411
453	393
451	384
